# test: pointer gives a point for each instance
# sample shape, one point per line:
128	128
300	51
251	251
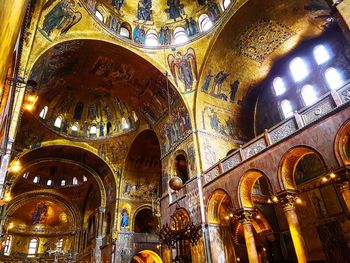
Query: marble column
246	218
288	201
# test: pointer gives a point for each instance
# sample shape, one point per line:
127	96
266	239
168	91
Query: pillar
101	212
344	188
288	201
245	217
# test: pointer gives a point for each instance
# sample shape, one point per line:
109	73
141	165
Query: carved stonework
318	111
346	95
245	216
231	162
287	200
283	131
262	38
211	175
344	186
254	148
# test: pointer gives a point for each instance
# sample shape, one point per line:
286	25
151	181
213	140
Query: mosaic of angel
62	17
184	68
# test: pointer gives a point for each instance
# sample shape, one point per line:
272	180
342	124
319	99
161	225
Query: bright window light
278	86
226	3
299	69
7	246
33	244
84	178
75	127
321	54
287	108
36	180
309	95
75	181
43	112
205	23
334	78
49	182
99	15
58	122
124	32
63	182
180	36
151	38
93	130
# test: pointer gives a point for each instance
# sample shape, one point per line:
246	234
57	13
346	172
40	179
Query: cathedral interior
233	147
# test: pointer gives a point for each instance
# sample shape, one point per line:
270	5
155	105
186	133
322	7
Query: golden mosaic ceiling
111	88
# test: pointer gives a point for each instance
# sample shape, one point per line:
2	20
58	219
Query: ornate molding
287	200
245	216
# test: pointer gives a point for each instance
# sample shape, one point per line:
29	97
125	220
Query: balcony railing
301	119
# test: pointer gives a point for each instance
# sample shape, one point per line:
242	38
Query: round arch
342	144
139	210
288	164
146	256
219	208
245	187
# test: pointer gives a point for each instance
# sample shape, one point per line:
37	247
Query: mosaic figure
144	10
118	4
124	219
62	17
40	213
175	9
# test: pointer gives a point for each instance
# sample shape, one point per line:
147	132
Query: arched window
58	122
299	69
278	86
33	245
309	95
63	182
59	243
43	112
151	38
93	130
36	179
321	54
287	108
49	182
125	124
135	116
99	15
75	127
180	35
75	181
226	3
84	178
334	78
124	32
7	245
205	23
25	175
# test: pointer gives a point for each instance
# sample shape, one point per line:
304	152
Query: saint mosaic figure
175	9
184	68
40	214
124	219
61	17
144	10
191	27
118	4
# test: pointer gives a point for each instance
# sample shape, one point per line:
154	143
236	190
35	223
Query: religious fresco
61	17
174	129
41	213
124	222
144	10
308	168
175	9
216	85
141	189
183	68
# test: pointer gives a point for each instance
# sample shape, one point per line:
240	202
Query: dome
152	23
107	99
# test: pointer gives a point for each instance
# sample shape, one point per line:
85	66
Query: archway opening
145	222
181	167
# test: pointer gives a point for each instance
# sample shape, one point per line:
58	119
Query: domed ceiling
98	89
161	17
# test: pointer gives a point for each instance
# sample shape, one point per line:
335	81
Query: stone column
99	238
288	201
246	217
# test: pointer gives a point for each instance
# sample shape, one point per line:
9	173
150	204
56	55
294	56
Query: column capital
287	199
245	216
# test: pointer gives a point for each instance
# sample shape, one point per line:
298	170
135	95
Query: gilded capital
245	216
287	200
